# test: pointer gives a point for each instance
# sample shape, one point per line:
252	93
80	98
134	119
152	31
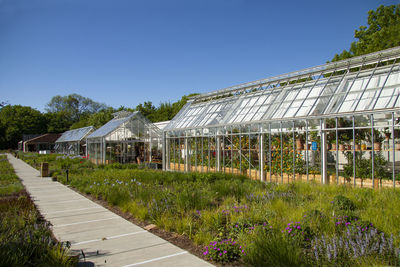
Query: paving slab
105	238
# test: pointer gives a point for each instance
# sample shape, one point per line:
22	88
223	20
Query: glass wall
357	150
335	123
128	138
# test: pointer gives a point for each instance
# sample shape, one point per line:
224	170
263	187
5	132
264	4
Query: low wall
288	178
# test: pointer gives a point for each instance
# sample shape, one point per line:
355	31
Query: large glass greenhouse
127	138
334	123
73	142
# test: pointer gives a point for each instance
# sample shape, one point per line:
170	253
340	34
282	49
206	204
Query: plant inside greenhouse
334	123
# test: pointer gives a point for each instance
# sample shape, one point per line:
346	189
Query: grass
9	182
260	217
25	238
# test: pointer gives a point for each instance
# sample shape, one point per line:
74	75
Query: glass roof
111	126
367	83
126	125
75	135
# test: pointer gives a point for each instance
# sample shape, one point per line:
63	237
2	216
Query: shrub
357	242
273	248
343	203
224	251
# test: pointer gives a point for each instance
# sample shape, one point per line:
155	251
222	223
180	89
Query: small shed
128	138
73	142
45	142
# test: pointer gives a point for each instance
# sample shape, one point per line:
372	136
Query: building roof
26	137
75	135
162	124
113	124
45	138
354	86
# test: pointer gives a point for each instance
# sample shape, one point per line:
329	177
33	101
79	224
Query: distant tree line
70	112
74	111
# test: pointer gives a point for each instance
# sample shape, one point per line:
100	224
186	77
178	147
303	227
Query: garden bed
25	237
240	216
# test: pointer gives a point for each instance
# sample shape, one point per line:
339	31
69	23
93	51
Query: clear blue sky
125	52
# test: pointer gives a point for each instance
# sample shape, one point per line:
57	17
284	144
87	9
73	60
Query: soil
178	240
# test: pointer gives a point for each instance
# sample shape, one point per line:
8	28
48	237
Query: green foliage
17	120
364	166
73	106
382	32
165	111
25	238
282	156
224	251
274	224
274	249
343	203
9	182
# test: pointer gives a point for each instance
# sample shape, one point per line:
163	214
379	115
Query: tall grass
215	207
25	238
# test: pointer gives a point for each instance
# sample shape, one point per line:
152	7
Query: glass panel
316	91
387	98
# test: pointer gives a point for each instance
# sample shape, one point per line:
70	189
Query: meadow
245	222
25	238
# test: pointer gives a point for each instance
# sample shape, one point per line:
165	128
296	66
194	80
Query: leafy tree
73	106
147	109
17	120
165	111
96	119
382	32
100	118
58	122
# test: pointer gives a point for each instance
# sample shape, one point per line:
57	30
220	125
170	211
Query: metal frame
222	111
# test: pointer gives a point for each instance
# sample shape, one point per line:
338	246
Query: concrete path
105	238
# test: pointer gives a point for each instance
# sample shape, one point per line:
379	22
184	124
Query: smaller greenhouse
128	138
73	142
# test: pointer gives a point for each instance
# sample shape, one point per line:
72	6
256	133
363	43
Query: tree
100	118
382	33
17	120
147	109
58	122
165	111
73	106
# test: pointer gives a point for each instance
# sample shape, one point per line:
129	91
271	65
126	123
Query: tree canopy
382	32
18	120
74	106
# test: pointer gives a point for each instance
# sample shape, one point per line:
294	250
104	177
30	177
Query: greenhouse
127	138
73	142
334	123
